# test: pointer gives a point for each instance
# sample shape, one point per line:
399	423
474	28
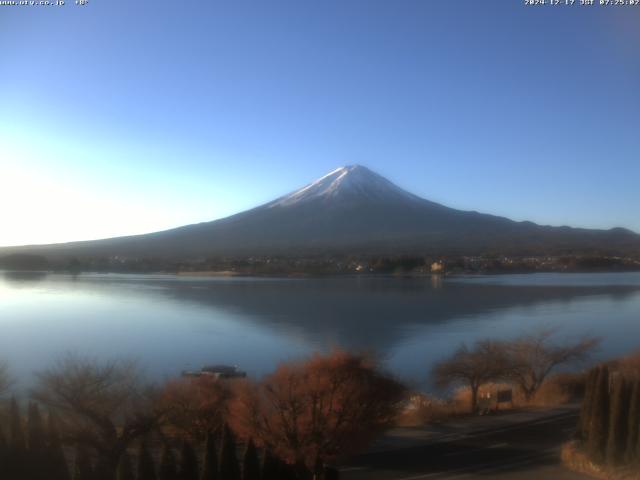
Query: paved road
522	451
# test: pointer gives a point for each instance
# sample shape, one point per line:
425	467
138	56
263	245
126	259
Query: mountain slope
352	210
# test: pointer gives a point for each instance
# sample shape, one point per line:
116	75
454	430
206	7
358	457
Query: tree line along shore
327	264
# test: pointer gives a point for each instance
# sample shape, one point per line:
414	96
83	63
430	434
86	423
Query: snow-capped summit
351	182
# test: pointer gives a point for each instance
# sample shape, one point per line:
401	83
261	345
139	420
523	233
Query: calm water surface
171	323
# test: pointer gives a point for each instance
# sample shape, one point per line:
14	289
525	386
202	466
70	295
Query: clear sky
125	117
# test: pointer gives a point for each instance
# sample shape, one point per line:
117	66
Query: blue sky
125	117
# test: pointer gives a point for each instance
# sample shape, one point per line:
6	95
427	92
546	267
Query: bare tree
103	406
486	362
533	357
196	407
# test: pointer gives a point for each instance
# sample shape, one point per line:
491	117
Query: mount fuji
351	210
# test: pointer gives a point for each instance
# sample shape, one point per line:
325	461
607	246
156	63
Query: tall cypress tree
269	466
146	468
17	462
285	471
637	459
617	441
188	462
36	441
35	431
168	469
58	466
250	462
125	468
4	455
17	440
587	402
103	470
633	423
83	470
318	468
599	423
210	462
331	473
229	469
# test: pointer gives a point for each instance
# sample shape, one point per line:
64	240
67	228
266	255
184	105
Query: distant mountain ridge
351	210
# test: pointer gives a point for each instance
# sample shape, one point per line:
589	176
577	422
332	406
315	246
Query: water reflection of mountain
361	312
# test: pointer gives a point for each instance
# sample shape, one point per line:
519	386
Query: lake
171	323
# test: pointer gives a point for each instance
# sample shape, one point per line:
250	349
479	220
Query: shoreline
232	273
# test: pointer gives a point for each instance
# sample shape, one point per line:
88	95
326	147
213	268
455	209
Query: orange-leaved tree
318	410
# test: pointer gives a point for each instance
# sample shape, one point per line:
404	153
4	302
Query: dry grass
629	365
574	459
425	409
559	389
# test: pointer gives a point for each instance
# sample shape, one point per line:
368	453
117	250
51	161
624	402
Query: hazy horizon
113	126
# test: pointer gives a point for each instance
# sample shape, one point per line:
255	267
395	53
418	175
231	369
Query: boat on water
216	371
